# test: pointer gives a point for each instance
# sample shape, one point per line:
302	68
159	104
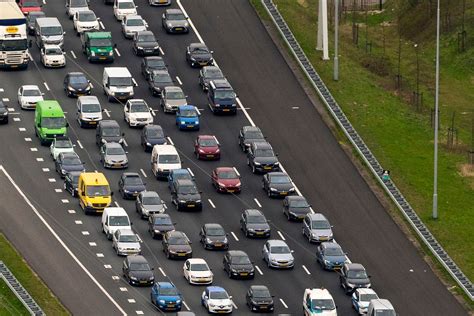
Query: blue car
187	117
178	174
166	296
330	256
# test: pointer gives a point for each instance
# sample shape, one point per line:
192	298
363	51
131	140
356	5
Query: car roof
173	89
365	291
130	174
381	304
160	72
136	259
30	87
320	294
187	107
185	182
262	144
205	68
173	11
109	123
354	266
295	198
254	212
196	260
276	243
215	289
112	145
237	253
166	285
330	244
221	84
126	231
251	128
51	46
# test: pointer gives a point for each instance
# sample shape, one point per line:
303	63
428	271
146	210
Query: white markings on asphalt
102	25
58	190
27	139
79	143
143	173
411	270
116	278
235	306
134	82
123	289
65	201
283	302
2	90
117	52
192	24
235	237
84	232
179	81
212	203
186	305
71	211
79	222
40	160
125	142
131	301
258	269
34	149
116	204
306	270
44	1
162	272
139	312
73	54
16	119
99	255
311	209
161	51
169	140
6	100
45	169
107	266
281	235
107	112
295	107
11	109
258	203
92	86
52	180
235	169
153	112
92	244
46	85
22	129
190	172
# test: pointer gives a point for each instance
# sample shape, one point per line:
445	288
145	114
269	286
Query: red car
226	179
28	6
207	147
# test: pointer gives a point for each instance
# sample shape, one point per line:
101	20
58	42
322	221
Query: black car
145	43
277	184
67	162
174	21
152	135
261	158
176	245
157	80
259	299
197	54
71	182
254	224
185	195
353	276
151	63
31	20
249	135
76	84
3	113
209	73
213	236
108	131
137	271
237	264
160	224
295	207
130	185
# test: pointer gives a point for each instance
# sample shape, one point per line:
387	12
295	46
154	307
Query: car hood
141	275
58	58
189	197
229	182
154	208
53	38
281	186
242	267
139	115
322	232
258	226
81	86
116	158
186	248
266	160
263	300
173	298
201	274
176	102
147	44
188	119
134	188
31	99
281	256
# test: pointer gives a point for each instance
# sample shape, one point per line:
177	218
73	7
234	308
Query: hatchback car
149	203
213	236
152	135
122	8
330	255
137	113
187	117
85	21
171	98
259	299
207	74
132	24
71	182
68	162
145	43
125	242
76	84
353	276
151	63
277	184
137	271
277	254
174	21
185	196
249	135
216	300
159	224
261	158
59	145
176	245
74	6
197	54
52	56
296	207
113	156
196	271
361	299
3	113
317	228
130	185
166	297
254	224
237	264
158	80
226	180
207	147
28	96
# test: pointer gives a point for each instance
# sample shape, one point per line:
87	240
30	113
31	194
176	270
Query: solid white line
190	172
153	112
102	25
179	81
258	203
143	173
235	237
212	203
306	269
107	112
92	86
117	52
281	235
73	54
283	302
186	305
162	272
79	143
62	242
258	269
44	1
169	140
116	204
46	86
190	22
161	51
311	209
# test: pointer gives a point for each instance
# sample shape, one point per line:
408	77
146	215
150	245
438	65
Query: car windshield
101	42
111	131
27	4
208	142
119	221
151	200
97	190
280	249
368	297
215	231
53	122
128	238
133	180
188	113
53	51
72	161
199	267
261	293
215	295
146	38
322	304
126	5
91	108
155	133
267	152
168	291
279	179
177	241
201	50
63	143
78	79
135	22
333	252
114	151
224	94
120	81
256	219
357	274
156	63
139	107
214	74
78	3
139	267
51	30
320	225
385	312
228	175
175	95
163	221
13	44
240	260
162	78
168	159
31	93
299	203
188	189
176	17
87	16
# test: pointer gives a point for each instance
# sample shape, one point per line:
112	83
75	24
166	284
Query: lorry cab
221	97
48	31
164	158
94	192
318	302
98	46
50	121
118	83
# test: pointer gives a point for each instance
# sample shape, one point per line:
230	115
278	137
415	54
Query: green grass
9	303
30	281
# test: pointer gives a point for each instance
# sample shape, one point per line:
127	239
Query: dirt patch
466	170
303	3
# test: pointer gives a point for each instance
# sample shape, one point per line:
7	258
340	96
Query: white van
381	307
118	83
114	218
48	31
123	8
164	158
89	111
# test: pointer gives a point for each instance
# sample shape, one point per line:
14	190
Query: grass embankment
399	134
30	281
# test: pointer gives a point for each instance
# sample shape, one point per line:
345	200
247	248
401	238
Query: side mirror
115	45
292	251
206	297
212	52
163	16
67	124
64	33
112	193
127	153
123	134
230	297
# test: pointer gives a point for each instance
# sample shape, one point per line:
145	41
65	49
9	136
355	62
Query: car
73	6
261	158
152	135
159	2
249	135
361	299
196	271
226	180
164	158
381	307
137	271
71	182
207	147
176	245
28	96
158	80
130	185
145	43
29	6
125	242
68	162
52	56
85	21
318	302
353	276
259	299
171	98
330	255
221	97
113	156
216	300
174	21
296	207
254	224
108	131
151	63
149	203
207	74
237	264
277	254
122	8
3	113
166	297
76	84
179	174
197	54
131	24
113	219
159	224
277	184
31	20
137	113
185	196
187	117
317	228
213	236
60	144
89	111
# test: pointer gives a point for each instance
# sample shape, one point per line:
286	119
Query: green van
98	46
50	121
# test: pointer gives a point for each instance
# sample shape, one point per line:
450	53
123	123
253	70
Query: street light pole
336	30
435	180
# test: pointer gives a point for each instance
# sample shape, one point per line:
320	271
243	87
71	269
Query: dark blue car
166	296
221	97
187	117
178	174
330	256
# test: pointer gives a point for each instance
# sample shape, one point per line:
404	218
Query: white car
61	145
137	113
125	242
132	24
361	299
73	6
318	302
216	300
196	271
53	56
28	96
123	8
85	21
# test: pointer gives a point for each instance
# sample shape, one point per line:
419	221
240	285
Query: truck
50	121
13	40
98	46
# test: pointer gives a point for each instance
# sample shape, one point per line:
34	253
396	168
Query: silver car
148	203
317	228
277	254
174	21
125	242
132	24
171	98
113	156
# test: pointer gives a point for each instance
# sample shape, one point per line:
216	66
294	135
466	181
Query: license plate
179	29
209	156
225	110
230	191
190	126
143	282
14	66
170	305
284	264
191	205
102	58
263	307
283	193
259	233
323	238
117	165
267	168
92	122
181	254
244	274
217	244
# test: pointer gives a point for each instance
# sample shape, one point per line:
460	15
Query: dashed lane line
235	237
212	203
306	270
283	303
143	173
281	235
258	269
258	203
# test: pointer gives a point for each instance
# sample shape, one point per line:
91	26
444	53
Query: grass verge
9	303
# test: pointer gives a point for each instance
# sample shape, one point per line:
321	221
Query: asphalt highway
274	100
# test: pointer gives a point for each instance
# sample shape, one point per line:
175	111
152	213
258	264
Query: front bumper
224	109
242	274
169	306
208	156
119	165
178	29
130	194
140	123
142	282
76	93
216	245
262	308
228	189
89	123
127	252
53	64
200	280
192	206
280	265
259	234
220	310
267	168
180	255
281	194
148	51
101	58
188	126
28	105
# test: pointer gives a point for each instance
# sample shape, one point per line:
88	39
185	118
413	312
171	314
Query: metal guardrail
365	152
19	291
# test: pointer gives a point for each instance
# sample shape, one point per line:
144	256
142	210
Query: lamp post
336	29
435	173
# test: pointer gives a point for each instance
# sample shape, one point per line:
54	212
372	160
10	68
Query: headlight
169	25
183	122
178	301
186	24
234	105
151	278
350	284
140	48
157	231
111	53
217	105
256	163
273	260
273	189
103	141
196	122
202	152
198	201
225	240
221	185
292	189
133	278
250	229
92	53
148	144
192	58
63	171
238	184
161	301
182	201
156	47
71	89
89	204
126	191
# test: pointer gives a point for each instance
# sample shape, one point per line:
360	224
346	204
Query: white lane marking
52	180
116	278
190	22
99	255
139	312
169	140
45	169
131	301
311	209
153	112
117	52
92	86
244	109
102	25
11	109
107	112
2	90
79	222
46	85
58	190
212	203
235	306
258	269
22	129
123	289
306	269
125	142
162	272
235	237
190	172
85	233
5	99
197	110
34	149
73	54
179	81
134	82
27	139
40	159
143	173
16	119
235	170
107	266
295	107
161	51
92	244
258	203
283	302
44	1
71	211
65	201
116	204
79	143
186	305
281	235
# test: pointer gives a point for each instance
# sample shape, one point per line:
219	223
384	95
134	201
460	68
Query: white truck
13	40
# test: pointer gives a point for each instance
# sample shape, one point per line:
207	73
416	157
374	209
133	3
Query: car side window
117	233
187	265
308	301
